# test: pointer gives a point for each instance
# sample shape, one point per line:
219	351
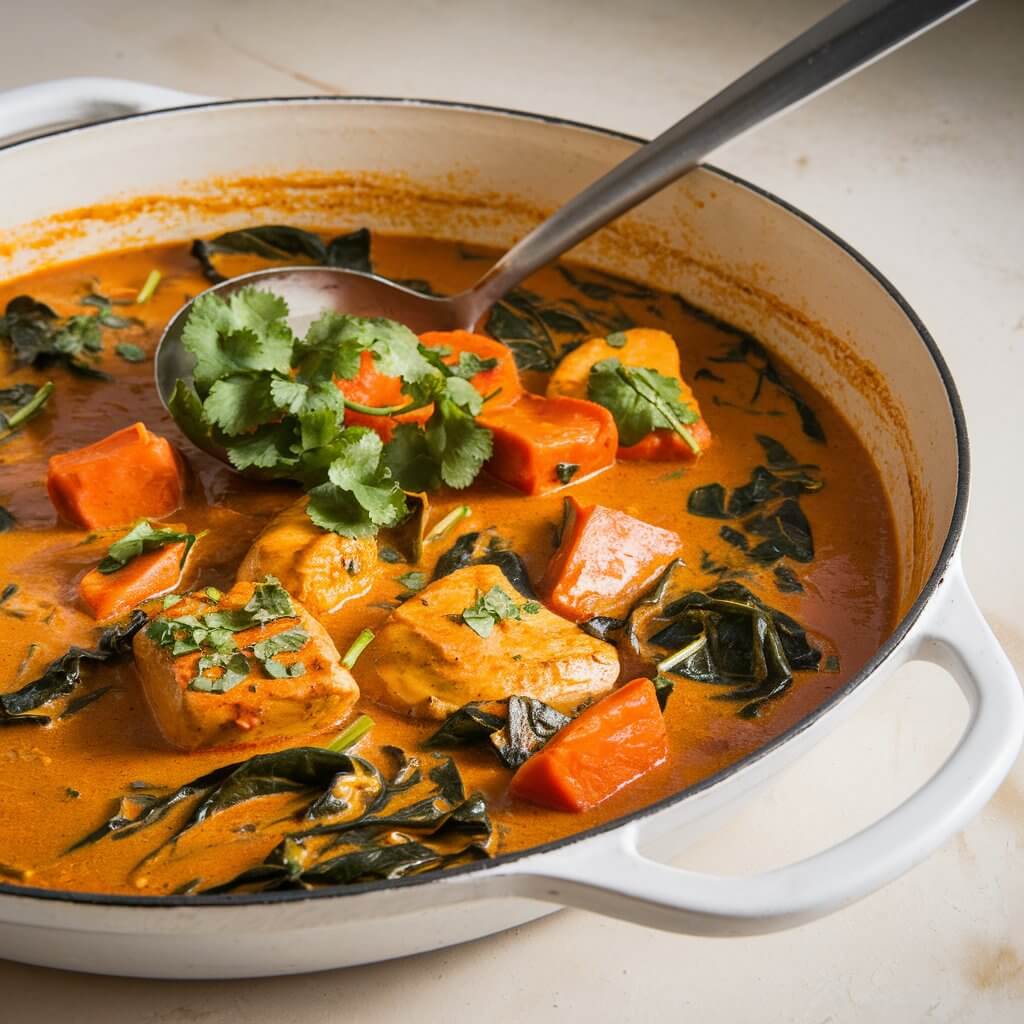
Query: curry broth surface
58	783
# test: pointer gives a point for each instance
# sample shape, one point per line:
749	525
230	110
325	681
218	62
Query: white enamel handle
31	109
615	879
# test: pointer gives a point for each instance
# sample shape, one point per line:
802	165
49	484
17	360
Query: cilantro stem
358	646
17	419
350	736
384	410
146	291
445	524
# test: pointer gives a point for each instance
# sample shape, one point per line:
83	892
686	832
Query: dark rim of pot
900	631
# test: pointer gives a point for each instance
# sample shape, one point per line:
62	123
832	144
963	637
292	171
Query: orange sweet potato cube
534	436
605	559
132	474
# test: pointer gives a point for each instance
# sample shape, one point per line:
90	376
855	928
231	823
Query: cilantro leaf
451	449
142	537
240	403
249	332
493	607
269	601
288	640
130	353
361	493
470	364
641	400
233	669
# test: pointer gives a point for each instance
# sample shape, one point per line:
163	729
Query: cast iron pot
485	175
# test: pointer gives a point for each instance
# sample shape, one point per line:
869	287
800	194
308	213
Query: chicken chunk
322	569
249	666
427	660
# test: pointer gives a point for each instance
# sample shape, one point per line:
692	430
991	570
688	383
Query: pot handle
31	109
615	879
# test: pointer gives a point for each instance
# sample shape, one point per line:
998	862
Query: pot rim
887	648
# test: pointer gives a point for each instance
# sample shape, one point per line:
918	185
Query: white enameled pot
485	175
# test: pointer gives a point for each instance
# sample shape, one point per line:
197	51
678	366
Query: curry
612	548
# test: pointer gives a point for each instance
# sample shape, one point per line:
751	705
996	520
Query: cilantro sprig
140	538
493	607
641	400
270	400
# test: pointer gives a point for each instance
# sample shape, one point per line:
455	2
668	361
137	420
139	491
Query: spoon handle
858	33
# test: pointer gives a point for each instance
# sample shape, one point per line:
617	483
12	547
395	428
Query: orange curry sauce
61	781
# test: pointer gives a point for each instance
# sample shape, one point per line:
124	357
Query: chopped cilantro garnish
130	353
641	400
142	537
413	581
493	607
213	636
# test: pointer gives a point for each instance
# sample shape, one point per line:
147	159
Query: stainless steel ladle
855	35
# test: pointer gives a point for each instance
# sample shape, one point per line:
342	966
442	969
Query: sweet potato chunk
540	444
605	560
429	662
322	569
644	347
130	475
503	378
369	387
258	707
108	595
611	744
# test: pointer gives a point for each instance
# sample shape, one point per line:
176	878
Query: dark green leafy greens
472	549
515	728
38	337
63	675
767	505
280	242
349	823
728	636
748	351
19	404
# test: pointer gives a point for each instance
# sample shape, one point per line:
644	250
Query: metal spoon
857	34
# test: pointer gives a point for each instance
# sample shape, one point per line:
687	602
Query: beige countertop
919	164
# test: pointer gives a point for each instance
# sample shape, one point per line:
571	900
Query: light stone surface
918	163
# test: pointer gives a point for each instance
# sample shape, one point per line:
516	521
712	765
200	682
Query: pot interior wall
487	177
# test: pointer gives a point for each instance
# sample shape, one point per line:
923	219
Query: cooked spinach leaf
516	728
63	675
565	471
786	531
469	549
708	500
7	520
787	581
19	404
728	636
39	337
280	242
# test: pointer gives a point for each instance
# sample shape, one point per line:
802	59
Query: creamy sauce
58	783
